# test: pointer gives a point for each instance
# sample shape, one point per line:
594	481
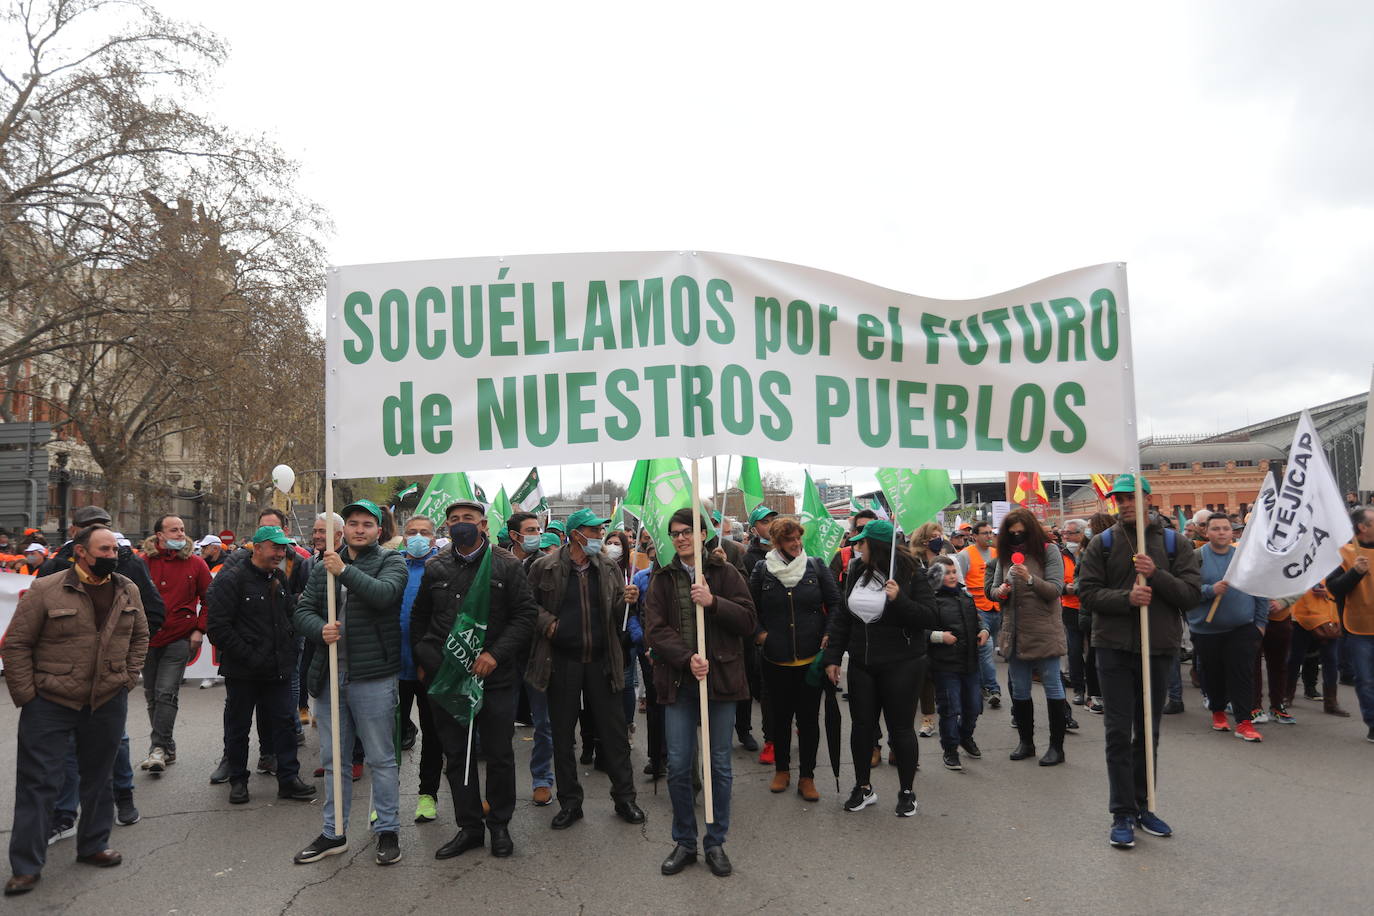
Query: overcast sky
1222	149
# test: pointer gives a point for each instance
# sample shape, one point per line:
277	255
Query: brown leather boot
1330	706
781	780
806	788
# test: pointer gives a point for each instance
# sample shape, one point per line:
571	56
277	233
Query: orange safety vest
1069	601
1311	612
976	578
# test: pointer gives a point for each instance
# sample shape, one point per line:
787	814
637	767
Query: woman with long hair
888	609
1028	581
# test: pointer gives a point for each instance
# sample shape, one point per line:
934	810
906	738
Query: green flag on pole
617	517
442	492
915	496
824	534
875	504
408	491
750	483
454	687
658	488
529	496
500	511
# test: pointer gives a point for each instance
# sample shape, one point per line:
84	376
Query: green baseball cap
366	505
760	513
557	526
875	530
271	534
585	518
547	540
715	517
1125	483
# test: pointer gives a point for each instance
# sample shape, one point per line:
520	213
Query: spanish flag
1028	485
1102	485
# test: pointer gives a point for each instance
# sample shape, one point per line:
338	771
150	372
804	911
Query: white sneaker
156	761
207	683
1260	717
927	726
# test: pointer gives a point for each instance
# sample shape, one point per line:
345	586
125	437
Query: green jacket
374	583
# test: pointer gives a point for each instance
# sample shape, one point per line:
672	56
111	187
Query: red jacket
181	579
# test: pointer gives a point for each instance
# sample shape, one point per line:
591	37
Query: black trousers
572	685
789	696
758	690
431	751
1123	715
496	726
654	731
1227	661
276	710
892	690
45	732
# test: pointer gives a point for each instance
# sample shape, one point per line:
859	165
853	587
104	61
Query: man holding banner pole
697	601
470	628
1137	599
368	582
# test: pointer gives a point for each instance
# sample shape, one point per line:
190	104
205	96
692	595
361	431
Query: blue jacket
1237	609
636	626
416	569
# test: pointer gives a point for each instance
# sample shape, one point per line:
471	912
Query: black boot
1024	711
1059	721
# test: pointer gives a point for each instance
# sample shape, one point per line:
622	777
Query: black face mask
104	566
1016	537
464	534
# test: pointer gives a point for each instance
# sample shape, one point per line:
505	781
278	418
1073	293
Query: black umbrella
815	675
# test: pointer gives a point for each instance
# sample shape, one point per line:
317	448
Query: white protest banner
1000	508
204	663
435	366
1294	535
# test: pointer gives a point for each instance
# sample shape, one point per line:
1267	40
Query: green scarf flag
500	511
442	492
824	534
454	687
617	522
915	496
529	496
750	483
413	488
658	488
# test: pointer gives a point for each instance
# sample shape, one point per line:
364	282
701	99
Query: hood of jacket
151	549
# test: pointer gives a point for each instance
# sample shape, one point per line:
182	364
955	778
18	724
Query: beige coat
1032	622
53	649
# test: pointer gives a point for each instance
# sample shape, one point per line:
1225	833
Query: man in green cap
370	581
578	658
250	613
559	530
1108	588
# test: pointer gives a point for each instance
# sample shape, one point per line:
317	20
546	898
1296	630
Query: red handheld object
1018	557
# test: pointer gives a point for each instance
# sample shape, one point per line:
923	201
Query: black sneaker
971	747
995	699
1078	698
1173	707
1370	737
952	759
321	847
221	774
126	815
388	848
267	764
906	803
61	830
238	793
861	798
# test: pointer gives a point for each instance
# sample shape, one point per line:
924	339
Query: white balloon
283	477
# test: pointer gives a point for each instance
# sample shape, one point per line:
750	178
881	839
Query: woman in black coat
792	594
883	628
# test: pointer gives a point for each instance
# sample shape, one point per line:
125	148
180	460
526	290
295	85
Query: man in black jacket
250	611
510	622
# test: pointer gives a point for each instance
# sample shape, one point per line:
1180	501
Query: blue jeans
1075	640
163	670
1176	680
987	657
628	696
122	779
680	722
541	755
1360	652
367	710
960	703
1019	672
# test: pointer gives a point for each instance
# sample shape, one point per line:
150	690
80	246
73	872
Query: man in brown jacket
72	653
670	630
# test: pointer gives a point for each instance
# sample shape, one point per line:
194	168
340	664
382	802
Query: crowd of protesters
582	620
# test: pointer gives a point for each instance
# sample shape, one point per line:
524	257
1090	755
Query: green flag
915	496
413	488
1182	521
658	488
454	687
529	496
500	511
875	504
443	491
750	483
824	535
617	517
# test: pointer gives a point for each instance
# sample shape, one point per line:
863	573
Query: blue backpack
1170	542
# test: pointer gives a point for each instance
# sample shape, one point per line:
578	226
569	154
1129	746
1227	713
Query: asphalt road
1286	826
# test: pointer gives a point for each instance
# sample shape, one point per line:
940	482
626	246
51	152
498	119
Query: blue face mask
464	534
592	546
530	543
176	545
417	545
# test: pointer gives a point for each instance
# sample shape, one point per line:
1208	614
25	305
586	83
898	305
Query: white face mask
614	551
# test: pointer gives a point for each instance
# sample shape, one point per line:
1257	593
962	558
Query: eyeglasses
680	533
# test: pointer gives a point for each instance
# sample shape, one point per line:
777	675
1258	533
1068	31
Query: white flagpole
467	768
1148	704
725	500
706	795
630	573
340	828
